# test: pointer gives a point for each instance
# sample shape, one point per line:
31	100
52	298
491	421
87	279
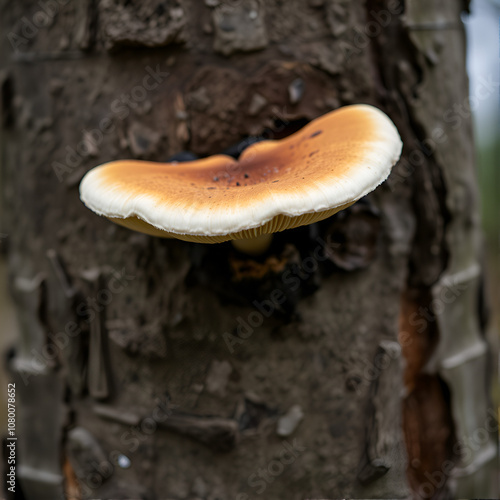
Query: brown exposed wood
72	490
430	437
418	334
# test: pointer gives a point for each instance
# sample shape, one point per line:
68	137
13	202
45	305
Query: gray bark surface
160	369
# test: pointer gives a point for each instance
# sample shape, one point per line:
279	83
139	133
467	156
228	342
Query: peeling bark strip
440	320
381	451
139	396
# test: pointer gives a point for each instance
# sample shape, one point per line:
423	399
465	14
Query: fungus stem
253	246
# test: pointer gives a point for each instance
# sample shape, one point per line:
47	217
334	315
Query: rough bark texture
161	369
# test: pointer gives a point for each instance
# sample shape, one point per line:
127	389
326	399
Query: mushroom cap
274	185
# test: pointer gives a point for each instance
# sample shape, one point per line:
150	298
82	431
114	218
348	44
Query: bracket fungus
274	185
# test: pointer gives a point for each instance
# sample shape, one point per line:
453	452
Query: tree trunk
151	368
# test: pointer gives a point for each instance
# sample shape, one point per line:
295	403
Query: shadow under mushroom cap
274	185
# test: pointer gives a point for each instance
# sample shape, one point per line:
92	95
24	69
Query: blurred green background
483	63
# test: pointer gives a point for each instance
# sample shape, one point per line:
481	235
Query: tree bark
349	361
